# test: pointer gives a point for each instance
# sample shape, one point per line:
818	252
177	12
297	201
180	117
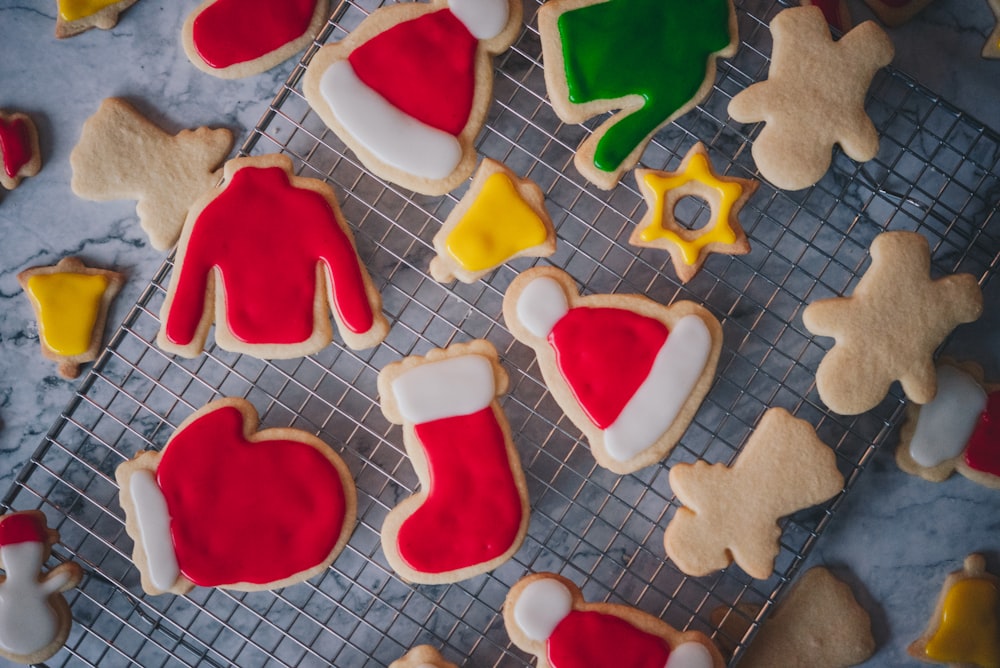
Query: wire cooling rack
936	172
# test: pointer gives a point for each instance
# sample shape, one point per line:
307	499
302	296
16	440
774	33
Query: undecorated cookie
422	656
75	16
19	152
992	47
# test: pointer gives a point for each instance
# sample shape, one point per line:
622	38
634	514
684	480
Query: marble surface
894	539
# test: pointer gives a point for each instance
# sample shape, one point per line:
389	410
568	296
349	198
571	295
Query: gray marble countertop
894	539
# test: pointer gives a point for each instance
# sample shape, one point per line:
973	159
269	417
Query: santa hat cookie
194	512
661	360
545	614
409	88
34	617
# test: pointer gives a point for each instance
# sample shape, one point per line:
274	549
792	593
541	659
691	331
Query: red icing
229	32
473	511
605	354
22	528
425	67
983	450
597	640
267	237
242	511
15	145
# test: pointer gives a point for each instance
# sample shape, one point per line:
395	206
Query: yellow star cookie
992	47
813	98
890	327
71	304
689	248
75	16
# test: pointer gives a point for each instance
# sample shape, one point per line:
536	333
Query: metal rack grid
936	172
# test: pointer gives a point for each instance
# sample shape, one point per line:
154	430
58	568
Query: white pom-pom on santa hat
541	304
690	655
485	19
540	607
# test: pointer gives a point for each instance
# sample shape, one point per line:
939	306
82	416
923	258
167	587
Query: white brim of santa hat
153	520
676	370
455	386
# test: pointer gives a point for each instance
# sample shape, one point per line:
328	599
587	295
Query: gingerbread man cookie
889	328
813	98
76	16
731	513
194	511
422	656
19	153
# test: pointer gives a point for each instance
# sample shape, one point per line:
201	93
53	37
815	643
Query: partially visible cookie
897	12
76	16
812	78
71	302
992	47
422	656
835	12
19	152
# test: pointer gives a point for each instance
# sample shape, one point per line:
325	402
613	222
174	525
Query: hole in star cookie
693	213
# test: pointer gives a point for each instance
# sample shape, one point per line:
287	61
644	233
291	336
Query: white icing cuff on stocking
655	405
485	19
945	425
453	386
153	519
541	304
690	655
393	136
541	606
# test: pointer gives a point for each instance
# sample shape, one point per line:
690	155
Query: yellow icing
68	306
497	226
73	10
717	230
969	632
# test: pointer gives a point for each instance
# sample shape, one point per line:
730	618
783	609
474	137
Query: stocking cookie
651	61
268	286
471	513
965	626
896	12
71	302
545	615
409	88
890	327
422	656
75	16
237	38
689	248
500	217
194	509
628	372
731	513
19	153
813	98
34	616
121	155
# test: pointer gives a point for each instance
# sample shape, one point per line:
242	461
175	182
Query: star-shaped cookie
689	248
889	328
992	47
76	16
813	98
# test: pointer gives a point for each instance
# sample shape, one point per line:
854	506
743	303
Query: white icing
27	622
690	655
484	18
654	407
541	606
945	424
393	136
153	518
454	386
541	304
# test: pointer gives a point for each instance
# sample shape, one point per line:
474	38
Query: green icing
658	49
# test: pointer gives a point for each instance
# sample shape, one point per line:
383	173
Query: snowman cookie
545	614
409	88
34	616
628	371
194	508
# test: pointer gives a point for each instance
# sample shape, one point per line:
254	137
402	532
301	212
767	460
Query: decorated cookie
731	513
409	88
34	616
889	328
422	656
500	217
19	152
471	513
195	509
897	12
75	16
835	12
629	372
992	47
237	38
71	302
649	60
121	155
689	248
958	430
268	286
813	98
545	615
965	627
819	624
